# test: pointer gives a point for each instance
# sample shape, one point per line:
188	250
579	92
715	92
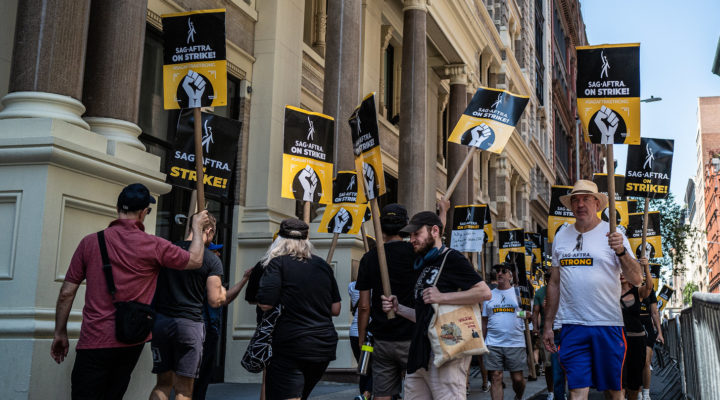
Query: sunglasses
505	271
149	211
579	243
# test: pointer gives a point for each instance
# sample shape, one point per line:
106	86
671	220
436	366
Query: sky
678	41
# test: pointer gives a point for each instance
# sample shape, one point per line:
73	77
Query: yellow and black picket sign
488	228
307	173
558	216
608	92
621	206
654	238
511	240
195	66
366	146
533	250
655	275
346	213
648	168
664	297
489	119
468	232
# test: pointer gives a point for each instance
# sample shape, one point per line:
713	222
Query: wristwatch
621	254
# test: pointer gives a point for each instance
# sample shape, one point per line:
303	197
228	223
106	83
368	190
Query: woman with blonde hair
304	339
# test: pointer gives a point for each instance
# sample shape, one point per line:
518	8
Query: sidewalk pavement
343	391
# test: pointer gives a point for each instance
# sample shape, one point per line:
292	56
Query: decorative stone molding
319	45
386	32
420	5
43	105
457	73
116	131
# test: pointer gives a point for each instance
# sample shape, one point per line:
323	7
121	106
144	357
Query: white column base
43	105
116	131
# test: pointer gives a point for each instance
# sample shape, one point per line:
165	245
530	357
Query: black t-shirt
252	287
645	307
400	259
306	290
458	274
182	293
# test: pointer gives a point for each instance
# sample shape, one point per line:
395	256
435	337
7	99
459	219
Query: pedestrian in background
635	335
365	381
304	339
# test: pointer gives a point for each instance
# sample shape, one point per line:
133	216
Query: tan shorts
445	383
389	362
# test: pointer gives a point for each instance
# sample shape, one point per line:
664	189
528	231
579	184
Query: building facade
83	116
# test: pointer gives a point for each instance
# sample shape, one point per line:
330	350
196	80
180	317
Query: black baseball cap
421	219
293	228
134	197
394	210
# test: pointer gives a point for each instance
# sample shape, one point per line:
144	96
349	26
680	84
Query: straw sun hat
585	187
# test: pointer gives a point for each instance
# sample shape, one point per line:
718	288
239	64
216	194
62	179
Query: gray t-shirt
589	277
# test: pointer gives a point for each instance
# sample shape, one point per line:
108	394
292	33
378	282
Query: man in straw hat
584	294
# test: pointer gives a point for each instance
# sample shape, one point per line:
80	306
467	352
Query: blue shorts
592	356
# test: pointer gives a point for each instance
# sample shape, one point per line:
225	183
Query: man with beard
457	284
583	291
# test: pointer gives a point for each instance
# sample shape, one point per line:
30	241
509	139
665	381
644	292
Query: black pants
103	373
288	378
365	383
206	365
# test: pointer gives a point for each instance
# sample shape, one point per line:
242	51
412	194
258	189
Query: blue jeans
558	372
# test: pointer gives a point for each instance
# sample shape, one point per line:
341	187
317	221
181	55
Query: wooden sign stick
461	171
197	116
331	252
306	212
384	276
366	245
531	353
645	226
610	162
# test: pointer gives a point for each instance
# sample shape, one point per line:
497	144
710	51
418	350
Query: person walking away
304	339
504	335
391	336
538	316
583	293
635	335
365	381
458	284
212	318
103	364
179	331
651	321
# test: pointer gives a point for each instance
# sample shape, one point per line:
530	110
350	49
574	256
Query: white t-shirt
589	277
504	328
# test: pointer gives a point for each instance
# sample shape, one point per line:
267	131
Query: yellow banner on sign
298	182
370	163
179	80
342	218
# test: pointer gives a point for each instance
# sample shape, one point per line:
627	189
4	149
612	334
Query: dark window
445	123
561	145
389	81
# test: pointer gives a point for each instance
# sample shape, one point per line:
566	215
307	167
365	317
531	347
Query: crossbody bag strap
107	268
437	277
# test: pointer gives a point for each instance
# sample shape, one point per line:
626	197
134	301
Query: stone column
415	179
319	44
503	195
475	163
342	79
113	69
457	152
46	75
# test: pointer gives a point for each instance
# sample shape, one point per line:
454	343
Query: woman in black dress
635	335
304	339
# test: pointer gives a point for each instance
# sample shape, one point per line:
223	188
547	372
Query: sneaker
360	397
550	396
485	387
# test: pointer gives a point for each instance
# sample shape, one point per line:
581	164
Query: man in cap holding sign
584	292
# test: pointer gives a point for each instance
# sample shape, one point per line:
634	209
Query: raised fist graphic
369	175
480	134
309	181
607	122
194	85
341	219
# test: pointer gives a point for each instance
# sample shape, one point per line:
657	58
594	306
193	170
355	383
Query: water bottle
365	353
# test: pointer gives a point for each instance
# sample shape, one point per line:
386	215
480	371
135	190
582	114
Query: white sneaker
551	396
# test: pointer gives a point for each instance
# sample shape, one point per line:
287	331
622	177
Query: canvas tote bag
455	330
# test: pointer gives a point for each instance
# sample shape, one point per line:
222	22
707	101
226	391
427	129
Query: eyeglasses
505	271
149	211
579	242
